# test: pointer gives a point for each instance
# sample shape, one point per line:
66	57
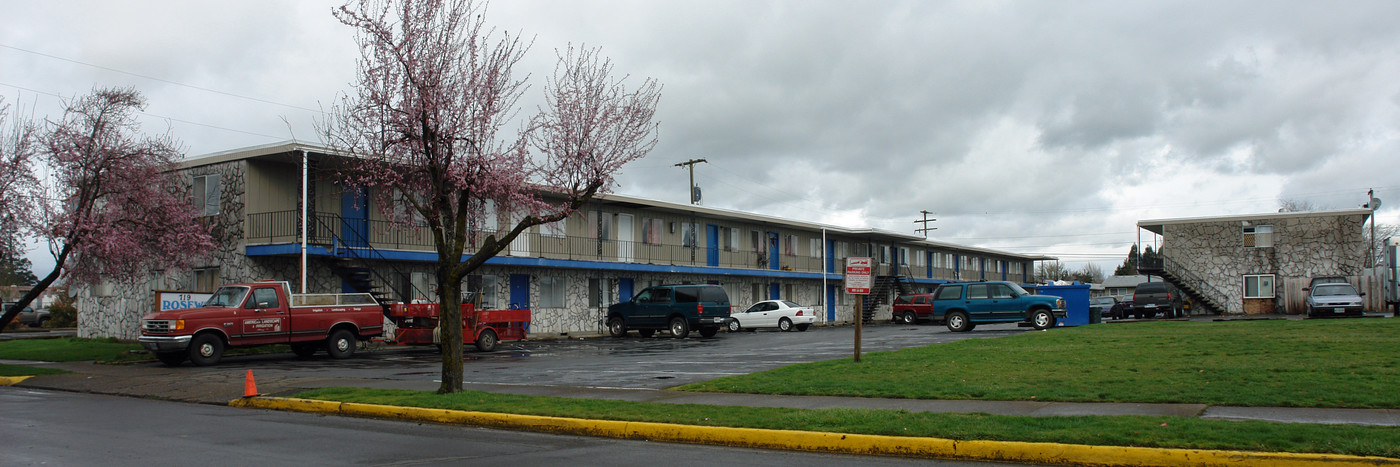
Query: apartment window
420	288
206	195
816	248
1259	236
788	293
843	249
599	293
488	293
903	256
1259	286
758	293
756	240
600	225
206	279
552	292
651	231
790	245
919	258
884	254
554	229
690	234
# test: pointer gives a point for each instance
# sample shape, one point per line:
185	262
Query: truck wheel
909	318
784	324
617	327
1042	320
304	350
341	344
957	322
708	332
733	325
646	332
206	349
802	327
679	327
171	358
486	342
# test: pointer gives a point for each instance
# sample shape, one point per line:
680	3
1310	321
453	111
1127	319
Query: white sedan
780	314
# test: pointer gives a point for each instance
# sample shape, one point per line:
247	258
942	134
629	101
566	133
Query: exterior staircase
880	292
1203	295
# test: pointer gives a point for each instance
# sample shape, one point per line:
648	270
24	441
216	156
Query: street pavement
219	385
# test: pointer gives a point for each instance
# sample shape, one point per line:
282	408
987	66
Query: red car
912	308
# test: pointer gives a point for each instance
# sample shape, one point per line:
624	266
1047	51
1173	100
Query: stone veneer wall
1303	247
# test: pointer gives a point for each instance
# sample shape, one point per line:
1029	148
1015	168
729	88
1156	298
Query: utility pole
925	222
691	163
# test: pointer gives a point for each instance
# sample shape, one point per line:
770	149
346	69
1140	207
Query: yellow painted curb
1042	453
11	380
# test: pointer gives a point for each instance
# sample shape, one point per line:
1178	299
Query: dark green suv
676	308
964	305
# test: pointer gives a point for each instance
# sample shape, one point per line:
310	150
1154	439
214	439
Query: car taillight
699	308
799	312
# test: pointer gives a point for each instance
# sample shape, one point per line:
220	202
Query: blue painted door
831	302
624	289
354	216
712	245
773	252
831	256
519	291
773	291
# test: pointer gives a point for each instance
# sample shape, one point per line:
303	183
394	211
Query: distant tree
1149	257
1383	232
433	91
112	206
1129	266
1051	271
1295	205
15	268
1089	274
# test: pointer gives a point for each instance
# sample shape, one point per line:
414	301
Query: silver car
1334	300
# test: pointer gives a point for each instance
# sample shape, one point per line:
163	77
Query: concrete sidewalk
219	387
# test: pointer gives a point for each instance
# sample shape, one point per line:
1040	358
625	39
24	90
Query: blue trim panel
428	256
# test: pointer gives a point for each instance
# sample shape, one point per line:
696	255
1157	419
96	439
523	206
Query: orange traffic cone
250	388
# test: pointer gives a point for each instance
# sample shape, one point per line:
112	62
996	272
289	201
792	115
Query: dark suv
962	306
677	308
1149	298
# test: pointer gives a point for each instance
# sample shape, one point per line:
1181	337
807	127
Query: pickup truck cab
677	308
964	305
262	313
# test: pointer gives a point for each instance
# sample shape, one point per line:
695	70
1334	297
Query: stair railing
338	238
1214	297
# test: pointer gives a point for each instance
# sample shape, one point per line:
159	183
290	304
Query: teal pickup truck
964	305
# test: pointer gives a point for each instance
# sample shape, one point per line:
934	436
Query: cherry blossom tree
426	119
111	206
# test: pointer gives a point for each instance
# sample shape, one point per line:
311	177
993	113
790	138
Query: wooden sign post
858	281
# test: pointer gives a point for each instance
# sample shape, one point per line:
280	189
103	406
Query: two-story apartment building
567	272
1249	263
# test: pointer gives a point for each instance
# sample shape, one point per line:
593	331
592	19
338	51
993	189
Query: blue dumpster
1076	301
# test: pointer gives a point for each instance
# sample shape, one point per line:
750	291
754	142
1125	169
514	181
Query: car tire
679	327
909	318
617	327
734	325
486	342
206	349
802	327
304	350
171	358
784	324
957	322
1042	320
708	332
341	344
646	332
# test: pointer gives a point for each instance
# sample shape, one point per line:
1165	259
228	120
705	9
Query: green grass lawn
1312	363
1165	432
72	350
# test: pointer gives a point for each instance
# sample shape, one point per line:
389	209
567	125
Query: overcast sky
1027	126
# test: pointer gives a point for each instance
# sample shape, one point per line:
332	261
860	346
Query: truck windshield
227	297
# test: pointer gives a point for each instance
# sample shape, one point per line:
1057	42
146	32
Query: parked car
1104	306
780	314
1333	300
1123	309
912	308
677	308
963	305
1150	298
29	316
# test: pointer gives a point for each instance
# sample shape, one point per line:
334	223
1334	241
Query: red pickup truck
262	313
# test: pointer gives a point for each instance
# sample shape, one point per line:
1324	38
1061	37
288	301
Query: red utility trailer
416	324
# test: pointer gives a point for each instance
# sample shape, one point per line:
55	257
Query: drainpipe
821	296
304	180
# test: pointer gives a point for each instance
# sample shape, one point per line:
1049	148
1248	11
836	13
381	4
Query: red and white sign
858	276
